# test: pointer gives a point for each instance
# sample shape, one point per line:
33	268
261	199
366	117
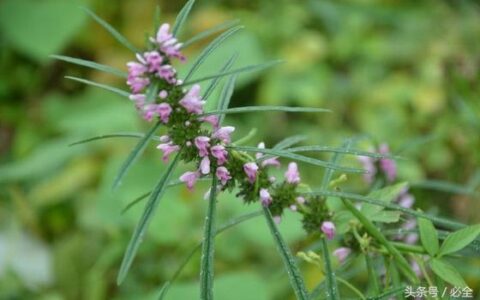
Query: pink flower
201	142
292	175
190	178
137	84
205	165
406	200
277	219
342	253
135	69
388	166
167	72
251	169
271	162
163	33
154	61
164	110
368	165
164	139
329	229
293	207
223	133
219	152
300	200
163	94
223	175
192	100
265	197
138	99
168	44
167	149
149	111
212	119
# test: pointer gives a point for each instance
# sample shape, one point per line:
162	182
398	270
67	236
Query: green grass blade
248	109
215	81
444	186
113	135
99	85
389	293
289	141
142	225
91	65
340	150
331	282
207	33
372	274
436	220
136	152
120	38
208	249
293	272
327	177
375	233
251	68
309	160
209	50
182	17
226	97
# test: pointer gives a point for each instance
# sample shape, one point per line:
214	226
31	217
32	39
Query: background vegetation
404	73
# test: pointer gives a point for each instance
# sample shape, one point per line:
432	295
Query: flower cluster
199	138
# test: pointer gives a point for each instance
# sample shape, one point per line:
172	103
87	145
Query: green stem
332	289
420	263
352	288
372	276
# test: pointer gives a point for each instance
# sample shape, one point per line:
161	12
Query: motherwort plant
379	225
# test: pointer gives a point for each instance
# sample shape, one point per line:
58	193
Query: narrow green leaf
458	240
102	86
226	97
293	272
91	65
207	33
385	216
436	220
372	274
136	152
144	221
211	87
340	150
208	249
209	50
248	109
289	141
163	290
389	293
375	233
331	281
182	17
113	135
428	236
445	186
112	31
252	68
309	160
447	272
335	159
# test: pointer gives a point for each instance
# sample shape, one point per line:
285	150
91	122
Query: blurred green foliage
405	73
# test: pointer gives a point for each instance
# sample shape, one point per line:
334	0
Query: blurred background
404	73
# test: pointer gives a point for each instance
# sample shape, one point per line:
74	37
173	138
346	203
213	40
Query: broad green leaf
214	83
375	233
136	152
385	217
182	17
252	68
447	272
208	249
458	240
91	65
209	50
309	160
293	272
102	86
147	215
331	281
226	96
248	109
205	34
120	38
428	236
386	194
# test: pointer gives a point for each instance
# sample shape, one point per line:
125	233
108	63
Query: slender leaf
114	135
389	293
248	109
293	272
289	141
136	152
207	33
340	150
375	233
91	65
209	50
182	17
102	86
458	240
447	272
309	160
428	236
226	96
112	31
331	281
329	172
444	186
208	249
144	221
372	274
214	83
251	68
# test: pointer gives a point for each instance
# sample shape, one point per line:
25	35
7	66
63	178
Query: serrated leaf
458	240
428	236
120	38
248	109
91	65
332	289
447	272
145	219
205	34
102	86
136	152
293	272
209	50
214	83
182	17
